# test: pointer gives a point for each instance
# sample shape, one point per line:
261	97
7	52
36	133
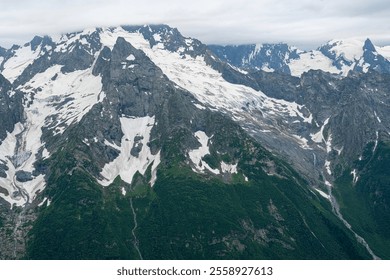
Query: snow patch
131	57
327	167
322	194
188	41
313	60
126	165
355	176
109	36
45	154
319	136
85	141
327	183
157	37
266	68
197	154
67	42
229	168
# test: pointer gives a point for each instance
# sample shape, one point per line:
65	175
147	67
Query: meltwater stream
336	210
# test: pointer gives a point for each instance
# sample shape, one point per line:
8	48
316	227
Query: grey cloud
305	23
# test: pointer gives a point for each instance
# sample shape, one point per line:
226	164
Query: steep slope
348	115
217	194
363	194
134	144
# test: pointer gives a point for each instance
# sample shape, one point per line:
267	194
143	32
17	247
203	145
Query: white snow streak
329	144
43	202
378	119
355	177
327	167
376	141
156	162
323	194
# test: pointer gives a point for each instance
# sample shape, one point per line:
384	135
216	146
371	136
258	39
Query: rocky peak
368	46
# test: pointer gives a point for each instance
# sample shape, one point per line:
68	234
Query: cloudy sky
304	23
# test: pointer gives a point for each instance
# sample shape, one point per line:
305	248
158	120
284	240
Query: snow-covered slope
18	62
14	61
59	95
53	101
207	84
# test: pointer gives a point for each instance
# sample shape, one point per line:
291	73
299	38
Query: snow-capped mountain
59	91
336	57
151	146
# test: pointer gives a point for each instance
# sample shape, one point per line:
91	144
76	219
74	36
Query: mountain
337	57
136	142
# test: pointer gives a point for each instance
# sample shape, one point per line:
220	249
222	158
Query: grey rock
11	108
23	176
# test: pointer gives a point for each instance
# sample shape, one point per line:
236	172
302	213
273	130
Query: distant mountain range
336	56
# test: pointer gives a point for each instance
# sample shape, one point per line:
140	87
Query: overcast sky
304	23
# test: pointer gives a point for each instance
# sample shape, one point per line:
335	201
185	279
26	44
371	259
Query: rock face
11	110
136	142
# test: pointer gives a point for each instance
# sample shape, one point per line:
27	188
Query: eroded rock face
11	110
